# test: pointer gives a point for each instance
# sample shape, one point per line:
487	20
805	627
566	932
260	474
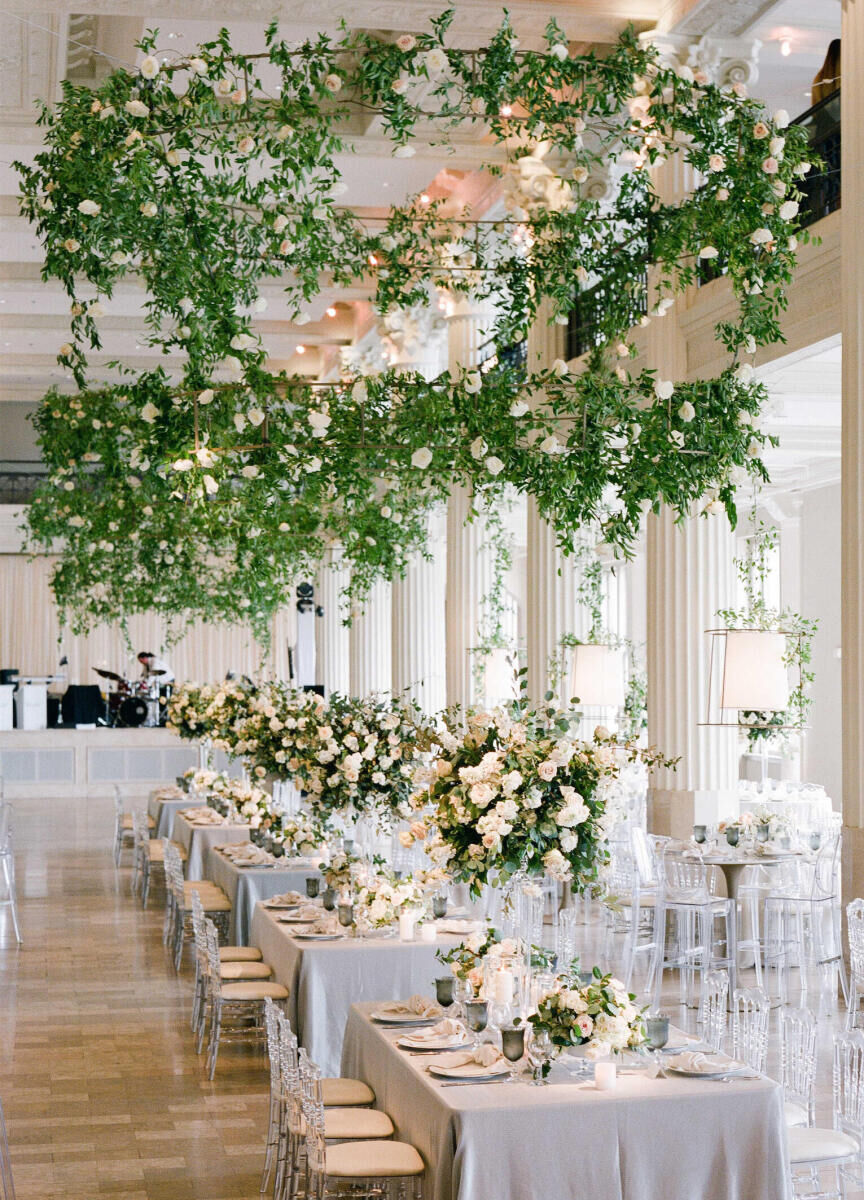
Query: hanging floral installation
204	176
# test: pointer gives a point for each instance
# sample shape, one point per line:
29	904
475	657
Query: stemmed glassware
476	1018
313	886
513	1048
539	1055
445	987
656	1033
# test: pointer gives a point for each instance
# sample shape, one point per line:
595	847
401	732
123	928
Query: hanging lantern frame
720	635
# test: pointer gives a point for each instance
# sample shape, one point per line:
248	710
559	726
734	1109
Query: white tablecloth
245	886
660	1139
163	812
197	840
325	978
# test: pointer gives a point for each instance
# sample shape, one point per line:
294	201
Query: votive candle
605	1076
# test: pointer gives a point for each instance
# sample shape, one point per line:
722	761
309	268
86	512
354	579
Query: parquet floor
103	1092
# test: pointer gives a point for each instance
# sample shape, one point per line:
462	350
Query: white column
469	562
332	635
370	649
852	453
416	341
553	608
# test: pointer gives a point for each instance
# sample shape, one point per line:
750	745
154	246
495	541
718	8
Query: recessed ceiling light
424	198
331	311
785	47
301	349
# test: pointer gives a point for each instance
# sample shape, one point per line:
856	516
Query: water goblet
699	834
346	915
313	886
476	1018
656	1033
732	835
328	898
444	990
815	840
439	906
513	1049
540	1056
762	832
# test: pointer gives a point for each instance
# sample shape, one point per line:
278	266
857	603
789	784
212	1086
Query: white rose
709	252
494	465
406	42
149	67
550	444
198	66
246	145
149	412
473	383
518	408
136	108
183	464
560	368
789	209
559	51
716	162
686	412
89	208
421	458
148	208
435	61
333	83
664	389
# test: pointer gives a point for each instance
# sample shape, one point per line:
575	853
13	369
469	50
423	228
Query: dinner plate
319	937
281	906
384	1018
432	1047
469	1071
293	919
732	1068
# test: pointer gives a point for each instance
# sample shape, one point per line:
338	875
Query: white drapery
30	637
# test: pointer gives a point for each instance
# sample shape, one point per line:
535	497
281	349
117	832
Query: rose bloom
760	130
770	166
547	770
406	42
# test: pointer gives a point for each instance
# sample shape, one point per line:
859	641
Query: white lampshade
597	676
754	674
499	675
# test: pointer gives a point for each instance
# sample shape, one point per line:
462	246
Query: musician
156	668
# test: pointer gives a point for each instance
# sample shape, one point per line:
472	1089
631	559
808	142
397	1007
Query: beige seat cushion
244	970
157	852
239	954
818	1145
126	823
259	990
794	1114
373	1160
345	1123
342	1093
216	903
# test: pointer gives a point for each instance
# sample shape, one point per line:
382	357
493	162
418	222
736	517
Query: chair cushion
795	1114
157	851
345	1123
818	1145
239	954
126	823
373	1160
244	970
342	1093
257	990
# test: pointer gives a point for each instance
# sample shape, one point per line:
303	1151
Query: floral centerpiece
296	835
251	802
601	1016
467	957
514	790
199	779
340	870
278	733
382	898
185	714
368	751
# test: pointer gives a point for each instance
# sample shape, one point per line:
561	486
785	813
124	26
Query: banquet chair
378	1167
177	929
691	901
635	903
803	925
813	1149
855	930
150	854
235	963
751	1011
7	1185
124	827
712	1008
7	861
798	1059
236	1009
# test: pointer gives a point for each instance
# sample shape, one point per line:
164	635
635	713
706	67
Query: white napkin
417	1005
170	793
286	898
449	925
484	1055
701	1063
448	1028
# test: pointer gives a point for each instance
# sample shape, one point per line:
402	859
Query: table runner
197	840
662	1139
245	886
325	978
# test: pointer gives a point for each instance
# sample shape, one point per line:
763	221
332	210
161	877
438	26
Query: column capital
410	335
721	60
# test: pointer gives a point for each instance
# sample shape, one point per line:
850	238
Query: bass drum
132	712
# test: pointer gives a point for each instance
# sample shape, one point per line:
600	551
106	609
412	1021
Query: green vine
206	176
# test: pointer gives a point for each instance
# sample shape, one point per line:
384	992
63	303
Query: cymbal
109	675
158	672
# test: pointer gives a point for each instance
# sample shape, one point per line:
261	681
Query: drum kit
134	703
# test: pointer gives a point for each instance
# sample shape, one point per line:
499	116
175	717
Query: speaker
82	704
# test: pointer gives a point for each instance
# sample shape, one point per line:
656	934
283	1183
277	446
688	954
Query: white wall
820	597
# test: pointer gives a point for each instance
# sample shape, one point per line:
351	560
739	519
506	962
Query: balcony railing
19	482
821	196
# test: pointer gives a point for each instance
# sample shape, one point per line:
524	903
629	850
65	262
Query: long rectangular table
164	811
245	886
197	840
325	978
650	1139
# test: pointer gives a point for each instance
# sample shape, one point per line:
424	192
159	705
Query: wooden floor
103	1092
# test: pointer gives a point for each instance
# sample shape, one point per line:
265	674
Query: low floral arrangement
466	958
514	790
601	1016
340	870
778	823
380	901
252	803
368	751
201	778
296	834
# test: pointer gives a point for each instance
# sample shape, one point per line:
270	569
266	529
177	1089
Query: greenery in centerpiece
201	180
602	1016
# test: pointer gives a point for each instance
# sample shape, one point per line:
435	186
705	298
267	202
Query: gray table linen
197	840
245	886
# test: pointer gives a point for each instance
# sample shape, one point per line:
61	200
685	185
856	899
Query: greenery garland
208	174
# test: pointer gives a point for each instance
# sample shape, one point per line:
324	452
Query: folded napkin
417	1005
286	898
246	854
702	1063
464	925
484	1055
170	793
448	1028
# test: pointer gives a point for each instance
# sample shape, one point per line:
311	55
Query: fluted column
852	453
469	560
370	650
417	341
332	635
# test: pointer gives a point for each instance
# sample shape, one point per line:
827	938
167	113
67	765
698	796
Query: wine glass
476	1018
313	886
439	906
540	1055
463	992
444	990
328	898
346	915
513	1048
656	1033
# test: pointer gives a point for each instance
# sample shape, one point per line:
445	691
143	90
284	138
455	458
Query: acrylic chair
7	1185
712	1007
855	930
7	862
813	1149
798	1060
751	1010
690	900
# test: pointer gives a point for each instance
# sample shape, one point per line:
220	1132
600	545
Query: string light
785	47
506	110
301	349
331	311
424	197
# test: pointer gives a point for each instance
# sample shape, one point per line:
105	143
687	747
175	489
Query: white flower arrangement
380	901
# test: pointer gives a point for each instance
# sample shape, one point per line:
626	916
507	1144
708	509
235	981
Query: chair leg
215	1030
9	876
